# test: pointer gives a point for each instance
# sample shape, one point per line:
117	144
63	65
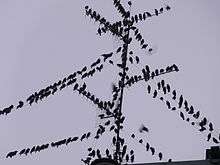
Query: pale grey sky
45	40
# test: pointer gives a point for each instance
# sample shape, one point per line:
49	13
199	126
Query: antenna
127	32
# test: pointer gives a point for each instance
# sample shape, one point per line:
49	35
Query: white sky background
43	41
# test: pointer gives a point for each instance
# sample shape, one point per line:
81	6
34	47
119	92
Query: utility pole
124	65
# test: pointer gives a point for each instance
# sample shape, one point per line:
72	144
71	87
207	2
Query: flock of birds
111	109
39	148
186	111
121	27
148	147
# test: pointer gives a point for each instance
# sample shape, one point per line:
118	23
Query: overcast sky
43	41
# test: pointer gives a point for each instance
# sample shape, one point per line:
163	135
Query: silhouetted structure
163	91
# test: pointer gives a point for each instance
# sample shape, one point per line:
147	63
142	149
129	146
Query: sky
43	41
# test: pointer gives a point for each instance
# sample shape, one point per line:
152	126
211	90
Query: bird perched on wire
106	56
155	94
20	104
160	155
22	152
182	115
148	88
180	101
209	136
152	150
143	128
196	115
147	147
11	154
215	140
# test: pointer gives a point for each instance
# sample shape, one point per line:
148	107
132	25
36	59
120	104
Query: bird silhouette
127	157
168	104
83	87
83	76
182	115
98	153
88	135
140	17
158	85
32	150
202	128
174	95
143	128
85	161
168	88
11	154
107	122
112	127
124	150
8	109
148	88
99	31
69	140
168	7
118	50
148	14
180	101
160	155
144	16
30	99
99	68
211	127
130	60
140	141
191	110
92	154
203	122
186	104
147	147
215	140
156	12
106	56
20	104
152	150
84	69
155	94
62	86
22	152
173	108
38	148
144	46
164	90
27	151
142	41
162	83
76	86
209	136
136	18
196	115
75	138
137	59
133	136
96	62
161	10
132	158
